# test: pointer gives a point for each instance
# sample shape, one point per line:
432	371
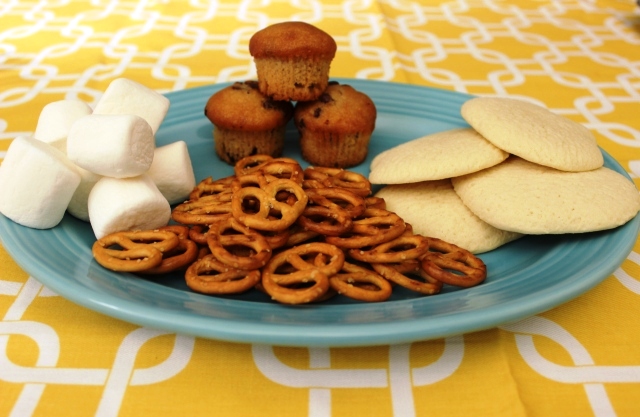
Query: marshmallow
36	183
113	145
119	204
56	119
172	172
79	204
124	96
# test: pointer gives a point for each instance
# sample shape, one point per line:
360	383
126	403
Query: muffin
335	129
246	122
292	60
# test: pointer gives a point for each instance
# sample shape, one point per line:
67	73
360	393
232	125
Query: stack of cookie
292	61
518	169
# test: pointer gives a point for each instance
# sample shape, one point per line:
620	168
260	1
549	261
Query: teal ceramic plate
528	276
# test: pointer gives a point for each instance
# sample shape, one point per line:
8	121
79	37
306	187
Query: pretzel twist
360	284
374	227
209	186
204	211
263	218
453	265
138	250
210	276
301	274
221	243
337	177
403	248
414	279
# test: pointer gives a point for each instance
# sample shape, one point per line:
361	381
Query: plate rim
333	335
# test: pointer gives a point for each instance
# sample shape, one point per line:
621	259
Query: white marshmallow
118	204
113	145
79	204
55	120
124	96
36	183
172	172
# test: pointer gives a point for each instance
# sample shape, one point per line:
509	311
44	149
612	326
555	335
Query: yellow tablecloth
580	58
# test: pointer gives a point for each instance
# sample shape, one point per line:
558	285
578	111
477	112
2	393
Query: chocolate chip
316	112
269	104
298	85
325	98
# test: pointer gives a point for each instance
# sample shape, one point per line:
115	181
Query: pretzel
176	259
402	248
324	214
298	235
374	227
210	276
198	233
453	265
349	282
296	289
325	221
338	177
338	197
301	274
253	179
281	167
286	168
221	245
327	258
205	210
250	164
263	219
375	202
209	186
179	230
403	276
139	250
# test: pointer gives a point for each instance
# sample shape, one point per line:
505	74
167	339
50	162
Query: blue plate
526	277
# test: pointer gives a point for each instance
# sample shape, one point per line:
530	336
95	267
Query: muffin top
292	40
241	106
340	109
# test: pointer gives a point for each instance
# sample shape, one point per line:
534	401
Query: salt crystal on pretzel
55	121
36	183
172	172
113	145
121	204
124	96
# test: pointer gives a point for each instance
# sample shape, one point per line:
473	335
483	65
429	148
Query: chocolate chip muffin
246	122
336	128
292	60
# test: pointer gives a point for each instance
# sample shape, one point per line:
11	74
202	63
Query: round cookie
246	122
440	155
533	133
336	128
523	197
292	60
434	209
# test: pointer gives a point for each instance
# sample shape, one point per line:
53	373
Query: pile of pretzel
299	235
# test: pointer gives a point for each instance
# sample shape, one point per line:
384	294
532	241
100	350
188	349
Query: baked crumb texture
246	122
336	128
292	60
296	79
233	145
